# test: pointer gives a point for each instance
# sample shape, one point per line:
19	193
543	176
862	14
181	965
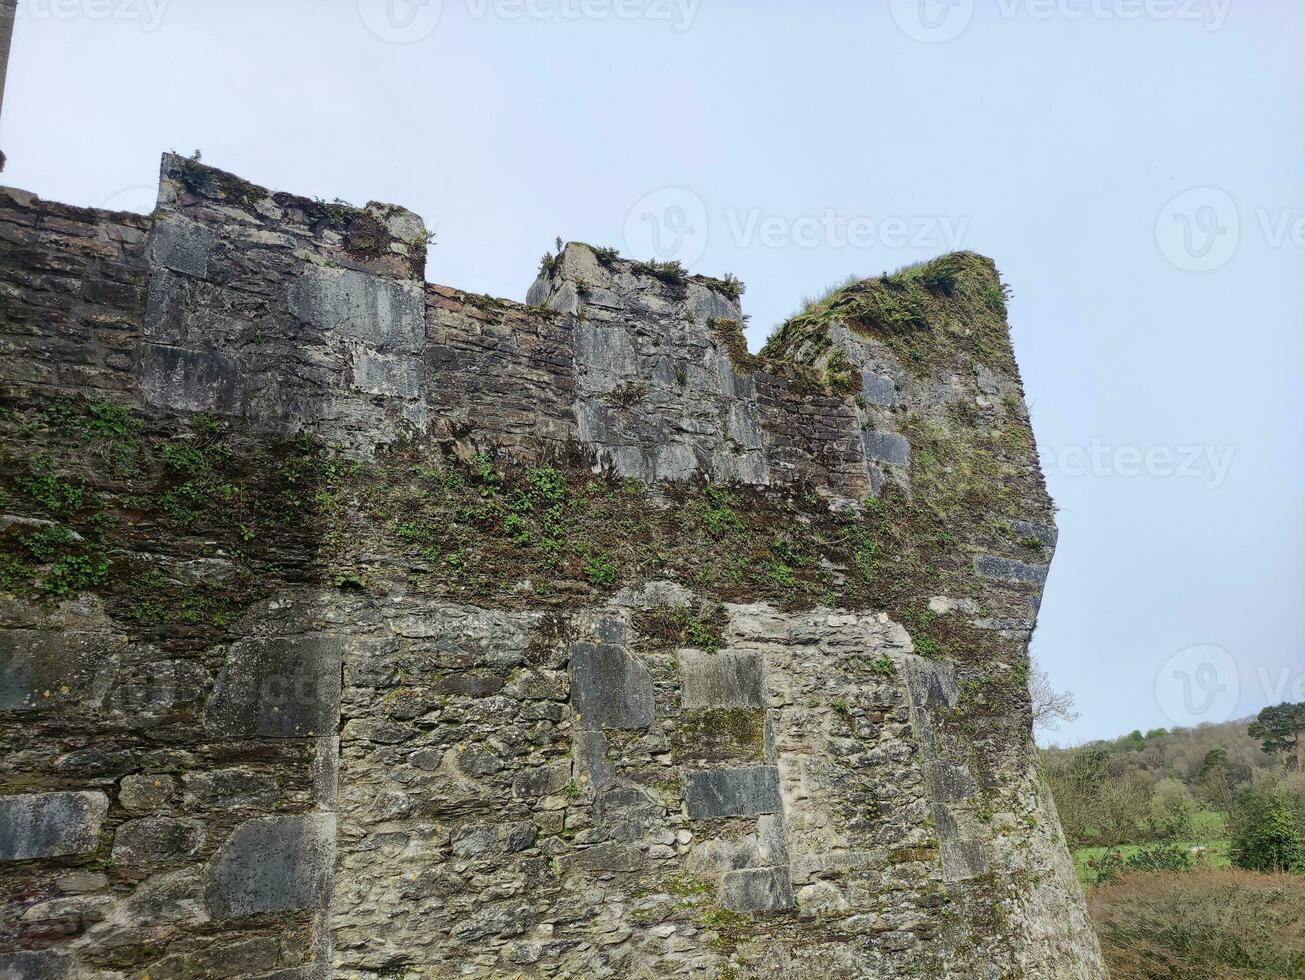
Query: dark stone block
157	841
609	688
182	246
887	447
878	390
273	864
757	890
277	688
949	782
40	825
51	671
721	680
732	792
1009	570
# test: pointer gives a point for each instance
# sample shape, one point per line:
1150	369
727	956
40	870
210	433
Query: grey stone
157	841
949	782
732	792
359	306
52	671
273	864
878	390
1027	530
590	767
543	780
1009	570
40	825
721	680
609	856
47	964
277	688
610	688
962	859
757	890
887	447
182	246
191	380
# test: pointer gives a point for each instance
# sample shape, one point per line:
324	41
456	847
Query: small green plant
48	542
184	458
600	572
882	666
76	573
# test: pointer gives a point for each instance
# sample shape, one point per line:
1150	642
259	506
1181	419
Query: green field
1209	830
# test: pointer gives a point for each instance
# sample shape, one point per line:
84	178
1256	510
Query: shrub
1264	834
1172	808
1204	925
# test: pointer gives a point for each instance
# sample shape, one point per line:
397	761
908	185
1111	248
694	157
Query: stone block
757	890
157	842
52	671
949	782
382	313
1027	531
273	864
46	964
1009	570
277	688
191	380
732	792
610	688
962	860
887	447
41	825
182	246
878	390
721	680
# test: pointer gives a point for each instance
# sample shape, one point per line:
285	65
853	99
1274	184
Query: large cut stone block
273	864
757	890
887	447
1009	570
278	688
41	825
51	671
721	680
732	792
610	688
182	246
358	306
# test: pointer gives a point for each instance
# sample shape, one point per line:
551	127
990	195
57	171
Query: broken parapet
339	636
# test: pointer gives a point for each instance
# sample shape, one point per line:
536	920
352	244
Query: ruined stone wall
355	626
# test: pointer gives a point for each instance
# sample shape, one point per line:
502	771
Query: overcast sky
1134	167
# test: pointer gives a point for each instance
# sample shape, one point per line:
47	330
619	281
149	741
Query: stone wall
355	626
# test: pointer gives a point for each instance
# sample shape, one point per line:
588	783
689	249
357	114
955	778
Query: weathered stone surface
887	447
280	688
182	246
142	792
721	680
757	890
43	671
878	390
610	688
273	864
157	841
40	825
359	306
732	792
49	964
1009	570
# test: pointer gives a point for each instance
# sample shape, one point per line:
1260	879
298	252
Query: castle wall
576	640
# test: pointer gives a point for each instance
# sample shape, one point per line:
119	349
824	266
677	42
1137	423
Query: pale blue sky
1049	134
